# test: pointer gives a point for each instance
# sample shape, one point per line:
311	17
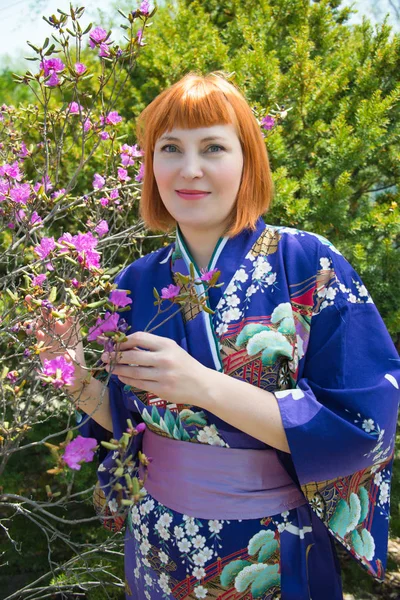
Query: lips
193	191
192	194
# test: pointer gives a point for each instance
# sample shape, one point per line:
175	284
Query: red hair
202	101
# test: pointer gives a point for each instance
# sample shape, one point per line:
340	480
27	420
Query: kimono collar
227	257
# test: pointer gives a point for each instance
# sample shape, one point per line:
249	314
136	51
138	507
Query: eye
169	146
212	148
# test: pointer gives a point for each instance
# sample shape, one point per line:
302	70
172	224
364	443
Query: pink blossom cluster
129	154
51	67
79	450
58	372
83	244
111	322
145	8
267	122
103	325
97	38
114	196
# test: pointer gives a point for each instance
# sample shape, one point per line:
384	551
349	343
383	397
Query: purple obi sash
212	482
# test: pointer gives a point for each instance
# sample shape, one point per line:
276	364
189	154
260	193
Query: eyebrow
171	138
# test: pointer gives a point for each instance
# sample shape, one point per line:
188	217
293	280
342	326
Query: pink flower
114	194
129	153
110	323
45	182
145	7
104	51
140	427
84	242
120	298
140	174
60	371
58	193
23	150
97	35
87	126
21	193
80	68
90	259
39	280
104	201
98	181
170	292
101	228
66	238
11	171
140	37
113	118
52	65
267	122
127	160
74	108
35	219
53	81
4	187
207	275
21	214
75	283
46	246
104	135
79	450
12	376
123	174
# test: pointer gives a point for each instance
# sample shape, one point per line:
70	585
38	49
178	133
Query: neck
201	244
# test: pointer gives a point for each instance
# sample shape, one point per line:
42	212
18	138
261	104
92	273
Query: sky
21	20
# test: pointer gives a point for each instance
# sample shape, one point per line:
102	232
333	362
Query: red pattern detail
236	328
307	298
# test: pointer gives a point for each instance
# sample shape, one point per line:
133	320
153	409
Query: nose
191	167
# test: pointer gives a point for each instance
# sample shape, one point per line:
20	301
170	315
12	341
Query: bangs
196	104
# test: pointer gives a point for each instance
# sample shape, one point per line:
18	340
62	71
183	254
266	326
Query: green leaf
169	420
155	415
35	48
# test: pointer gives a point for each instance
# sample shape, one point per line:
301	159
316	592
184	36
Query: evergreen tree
335	156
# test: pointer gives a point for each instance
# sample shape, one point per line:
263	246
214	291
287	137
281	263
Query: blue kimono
295	319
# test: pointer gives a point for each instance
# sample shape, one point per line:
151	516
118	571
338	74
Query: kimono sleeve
340	420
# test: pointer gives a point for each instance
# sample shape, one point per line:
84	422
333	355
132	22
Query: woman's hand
162	368
59	338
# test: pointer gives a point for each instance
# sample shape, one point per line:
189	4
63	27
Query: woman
270	422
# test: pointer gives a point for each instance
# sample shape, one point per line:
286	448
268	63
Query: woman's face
198	174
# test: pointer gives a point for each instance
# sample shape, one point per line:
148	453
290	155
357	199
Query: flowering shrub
59	227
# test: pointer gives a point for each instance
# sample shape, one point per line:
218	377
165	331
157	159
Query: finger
143	339
143	373
130	357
